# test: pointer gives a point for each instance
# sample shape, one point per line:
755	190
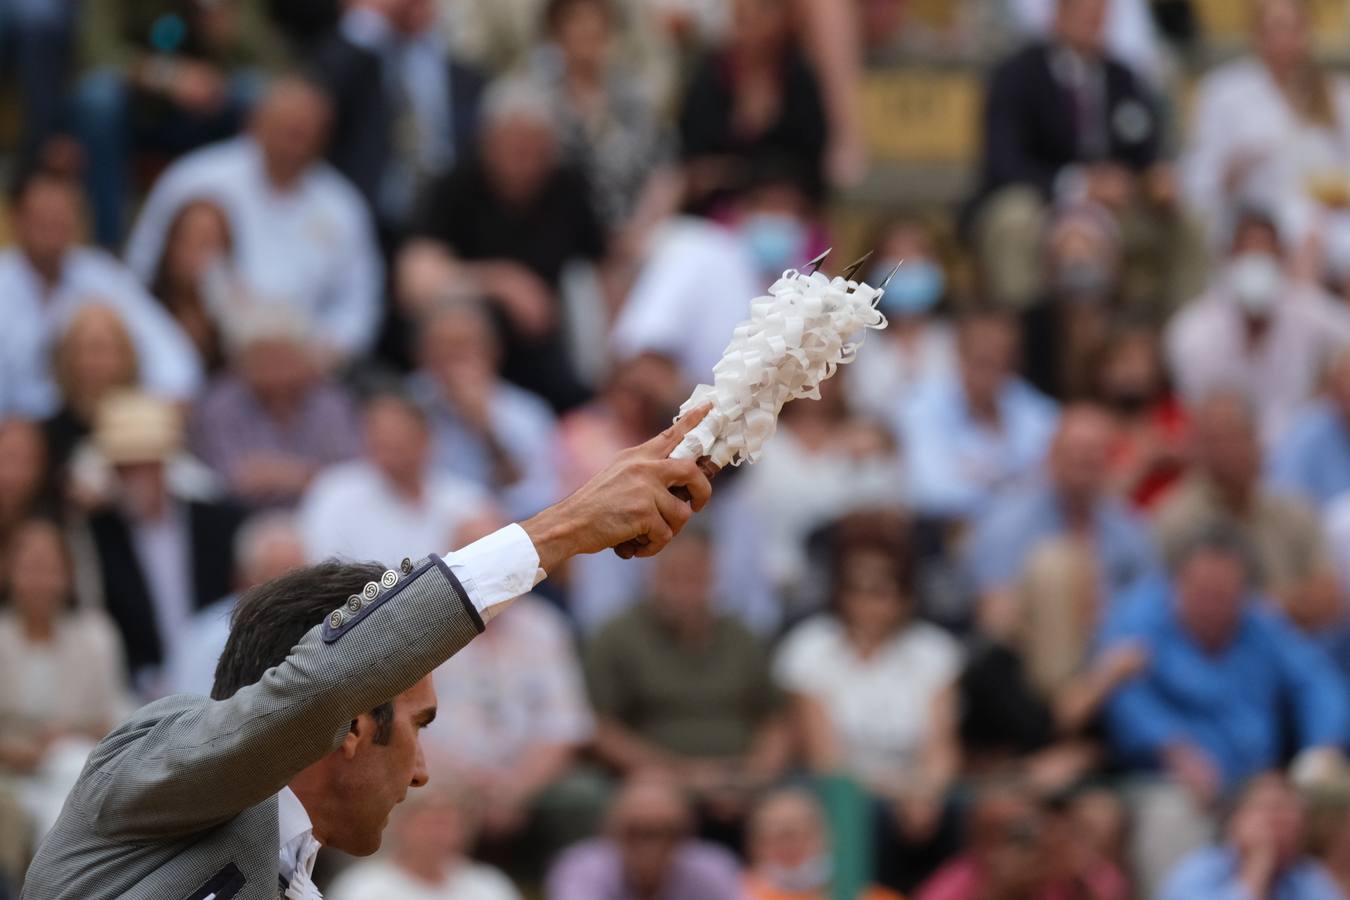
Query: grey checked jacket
179	803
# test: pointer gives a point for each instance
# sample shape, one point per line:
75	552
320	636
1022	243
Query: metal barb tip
816	263
888	278
853	269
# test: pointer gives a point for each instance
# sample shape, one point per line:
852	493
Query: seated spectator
48	276
1256	330
968	435
698	277
198	252
387	67
681	688
23	478
874	692
302	235
639	398
917	344
513	716
266	546
429	838
163	77
1018	851
823	465
1218	656
390	503
1312	459
484	429
1065	123
646	851
62	680
607	127
157	557
1152	428
1270	129
94	358
271	422
505	223
790	852
753	97
1064	331
1046	557
1263	855
1225	487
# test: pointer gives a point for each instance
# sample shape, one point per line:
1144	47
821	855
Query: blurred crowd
1047	597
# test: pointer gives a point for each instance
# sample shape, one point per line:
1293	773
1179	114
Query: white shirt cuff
496	569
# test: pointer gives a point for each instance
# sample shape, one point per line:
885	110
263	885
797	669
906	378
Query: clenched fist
628	505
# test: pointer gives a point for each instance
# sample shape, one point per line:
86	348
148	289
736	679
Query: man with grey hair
274	419
266	546
303	236
1226	675
507	224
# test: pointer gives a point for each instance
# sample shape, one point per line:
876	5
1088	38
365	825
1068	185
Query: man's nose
420	776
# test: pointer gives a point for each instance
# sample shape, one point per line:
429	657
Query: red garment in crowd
962	879
1167	424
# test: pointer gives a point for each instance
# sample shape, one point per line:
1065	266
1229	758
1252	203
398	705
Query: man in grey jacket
312	733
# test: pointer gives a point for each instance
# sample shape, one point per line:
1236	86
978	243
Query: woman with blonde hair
94	357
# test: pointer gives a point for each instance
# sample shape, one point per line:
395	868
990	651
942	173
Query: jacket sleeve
177	769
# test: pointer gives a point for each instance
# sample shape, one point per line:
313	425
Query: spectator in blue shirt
1224	666
1059	526
1313	456
970	434
1262	856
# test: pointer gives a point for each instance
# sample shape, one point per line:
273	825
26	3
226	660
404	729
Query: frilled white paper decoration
806	327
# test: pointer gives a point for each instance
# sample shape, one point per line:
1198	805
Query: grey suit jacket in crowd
179	803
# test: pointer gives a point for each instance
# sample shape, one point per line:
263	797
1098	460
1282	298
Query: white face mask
1255	280
812	875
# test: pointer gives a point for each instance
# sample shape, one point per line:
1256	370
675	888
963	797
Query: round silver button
336	619
354	604
371	591
389	578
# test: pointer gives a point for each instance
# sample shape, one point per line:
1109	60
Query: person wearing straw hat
160	556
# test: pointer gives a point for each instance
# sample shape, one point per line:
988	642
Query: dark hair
871	534
270	619
555	10
29	178
1222	539
159	285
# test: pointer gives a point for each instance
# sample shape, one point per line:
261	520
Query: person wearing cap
158	556
311	735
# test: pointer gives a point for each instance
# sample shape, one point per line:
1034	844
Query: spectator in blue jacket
1228	684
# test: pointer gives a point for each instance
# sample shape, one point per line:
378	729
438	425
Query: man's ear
361	732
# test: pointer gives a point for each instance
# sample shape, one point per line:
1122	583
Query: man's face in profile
369	778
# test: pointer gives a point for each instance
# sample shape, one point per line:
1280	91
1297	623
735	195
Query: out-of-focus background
1045	598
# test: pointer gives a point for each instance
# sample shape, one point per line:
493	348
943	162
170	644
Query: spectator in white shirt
48	276
1256	331
390	504
1272	129
484	429
302	233
513	717
429	836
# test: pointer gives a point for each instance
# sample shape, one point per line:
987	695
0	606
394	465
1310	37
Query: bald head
1080	454
291	126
